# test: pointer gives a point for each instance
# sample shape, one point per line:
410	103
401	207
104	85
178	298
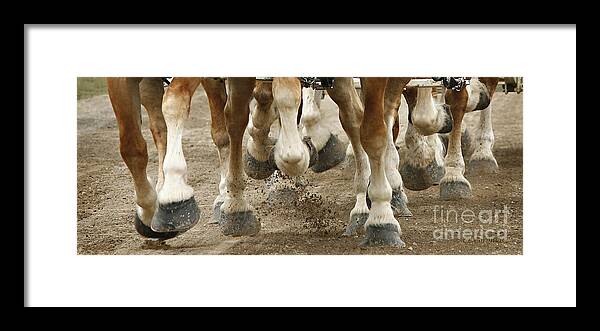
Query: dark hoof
382	235
216	216
332	154
258	169
399	205
357	221
416	178
437	172
176	216
482	166
147	232
455	190
239	224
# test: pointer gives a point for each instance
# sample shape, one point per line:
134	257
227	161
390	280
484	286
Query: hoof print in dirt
357	222
399	205
176	216
147	232
482	167
239	224
332	154
455	190
382	235
258	169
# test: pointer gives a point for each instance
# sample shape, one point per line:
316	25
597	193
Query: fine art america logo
485	224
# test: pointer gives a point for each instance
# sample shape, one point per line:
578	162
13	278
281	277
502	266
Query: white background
544	275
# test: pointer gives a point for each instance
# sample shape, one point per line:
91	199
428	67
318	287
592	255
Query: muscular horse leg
424	163
331	151
178	210
151	96
482	160
217	97
392	99
454	185
292	153
124	95
237	217
351	112
381	226
258	159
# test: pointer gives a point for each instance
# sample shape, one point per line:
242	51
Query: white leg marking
313	124
427	116
485	137
224	165
291	154
380	193
175	187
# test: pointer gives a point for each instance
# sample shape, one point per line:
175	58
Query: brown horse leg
351	112
151	96
454	185
124	95
392	99
217	97
258	159
178	210
381	226
237	217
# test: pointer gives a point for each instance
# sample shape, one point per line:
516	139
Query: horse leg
482	160
381	226
124	96
454	185
331	151
258	159
217	97
292	154
237	217
392	99
424	162
151	96
351	112
178	210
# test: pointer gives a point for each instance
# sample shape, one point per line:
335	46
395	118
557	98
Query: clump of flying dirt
293	199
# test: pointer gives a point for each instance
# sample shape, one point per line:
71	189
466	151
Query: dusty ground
310	222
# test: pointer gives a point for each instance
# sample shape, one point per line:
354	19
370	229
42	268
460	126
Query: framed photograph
229	161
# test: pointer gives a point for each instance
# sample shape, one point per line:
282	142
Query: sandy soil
309	221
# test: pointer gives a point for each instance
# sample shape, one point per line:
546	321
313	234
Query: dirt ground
309	221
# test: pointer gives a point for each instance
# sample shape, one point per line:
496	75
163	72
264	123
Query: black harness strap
317	83
454	83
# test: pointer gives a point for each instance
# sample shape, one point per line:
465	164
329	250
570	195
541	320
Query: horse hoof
176	216
382	235
416	178
258	169
216	216
455	190
332	154
399	205
147	232
436	173
239	224
357	221
482	166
